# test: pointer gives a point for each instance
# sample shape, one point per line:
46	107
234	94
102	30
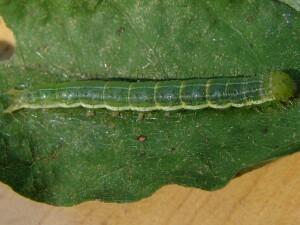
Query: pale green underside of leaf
66	156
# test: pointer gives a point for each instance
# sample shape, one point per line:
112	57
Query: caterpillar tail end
283	86
13	94
11	109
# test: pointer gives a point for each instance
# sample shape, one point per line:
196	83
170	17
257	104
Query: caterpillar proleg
194	94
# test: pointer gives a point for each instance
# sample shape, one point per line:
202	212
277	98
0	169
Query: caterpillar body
218	93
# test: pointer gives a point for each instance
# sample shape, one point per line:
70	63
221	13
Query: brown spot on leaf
141	138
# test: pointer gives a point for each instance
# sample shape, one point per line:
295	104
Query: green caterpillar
218	93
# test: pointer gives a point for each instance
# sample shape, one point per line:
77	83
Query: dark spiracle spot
141	138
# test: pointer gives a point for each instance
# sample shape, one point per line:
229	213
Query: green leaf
66	156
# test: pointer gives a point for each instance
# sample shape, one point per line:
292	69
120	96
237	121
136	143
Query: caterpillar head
283	86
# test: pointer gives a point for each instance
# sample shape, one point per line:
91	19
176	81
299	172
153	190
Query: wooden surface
7	41
267	196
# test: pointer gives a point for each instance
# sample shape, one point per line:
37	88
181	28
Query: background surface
269	195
